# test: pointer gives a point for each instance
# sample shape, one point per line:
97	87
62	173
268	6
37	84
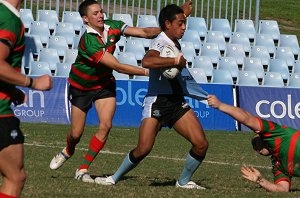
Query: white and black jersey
158	84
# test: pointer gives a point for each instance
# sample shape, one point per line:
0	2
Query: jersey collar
11	8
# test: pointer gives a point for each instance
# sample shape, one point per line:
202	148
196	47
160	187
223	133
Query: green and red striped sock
94	148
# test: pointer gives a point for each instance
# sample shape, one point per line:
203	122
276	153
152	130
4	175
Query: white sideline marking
150	156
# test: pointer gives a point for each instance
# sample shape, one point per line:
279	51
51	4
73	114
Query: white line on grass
151	156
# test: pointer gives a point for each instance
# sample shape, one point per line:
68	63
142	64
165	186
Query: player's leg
78	118
105	109
12	170
190	128
147	133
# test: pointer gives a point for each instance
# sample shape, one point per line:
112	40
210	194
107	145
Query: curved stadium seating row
207	50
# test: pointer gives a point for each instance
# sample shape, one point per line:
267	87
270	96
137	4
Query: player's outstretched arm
255	176
110	61
236	113
148	32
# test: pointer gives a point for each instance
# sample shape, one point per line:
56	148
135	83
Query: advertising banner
45	106
130	95
280	105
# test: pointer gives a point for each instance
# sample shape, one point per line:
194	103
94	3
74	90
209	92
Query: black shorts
167	109
84	99
10	132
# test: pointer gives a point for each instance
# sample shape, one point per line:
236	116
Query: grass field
154	177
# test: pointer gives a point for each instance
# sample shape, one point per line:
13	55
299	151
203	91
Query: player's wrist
259	179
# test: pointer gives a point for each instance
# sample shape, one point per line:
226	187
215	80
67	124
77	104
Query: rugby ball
171	52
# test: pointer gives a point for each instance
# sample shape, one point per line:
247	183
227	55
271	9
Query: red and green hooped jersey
12	35
87	73
285	145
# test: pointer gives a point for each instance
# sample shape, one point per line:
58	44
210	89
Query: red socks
94	148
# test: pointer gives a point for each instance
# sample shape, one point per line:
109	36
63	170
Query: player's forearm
129	69
156	62
269	186
150	32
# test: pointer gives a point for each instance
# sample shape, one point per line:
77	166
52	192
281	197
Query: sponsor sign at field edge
281	105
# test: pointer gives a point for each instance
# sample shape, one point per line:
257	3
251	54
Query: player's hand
181	61
187	7
18	97
213	101
250	174
43	83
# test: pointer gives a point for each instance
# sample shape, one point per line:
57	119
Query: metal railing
229	9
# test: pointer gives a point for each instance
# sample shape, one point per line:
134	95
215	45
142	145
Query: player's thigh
147	133
106	108
12	161
78	118
190	128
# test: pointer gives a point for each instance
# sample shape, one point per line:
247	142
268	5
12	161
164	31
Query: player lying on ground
280	142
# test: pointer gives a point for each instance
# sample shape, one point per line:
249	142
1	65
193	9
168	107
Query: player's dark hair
258	143
168	13
83	7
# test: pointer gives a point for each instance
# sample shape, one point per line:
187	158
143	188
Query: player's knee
201	147
18	179
105	126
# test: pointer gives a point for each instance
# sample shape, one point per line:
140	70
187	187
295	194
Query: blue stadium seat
269	27
26	59
296	67
188	51
242	39
50	56
59	43
135	46
62	69
294	80
198	74
262	53
221	77
127	58
74	18
279	65
289	41
230	64
120	76
33	44
192	36
267	41
40	28
146	42
122	41
49	16
141	78
255	65
273	79
70	55
76	40
66	30
222	25
205	63
247	78
216	37
27	18
38	68
126	18
146	21
245	26
212	50
198	24
285	53
236	51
